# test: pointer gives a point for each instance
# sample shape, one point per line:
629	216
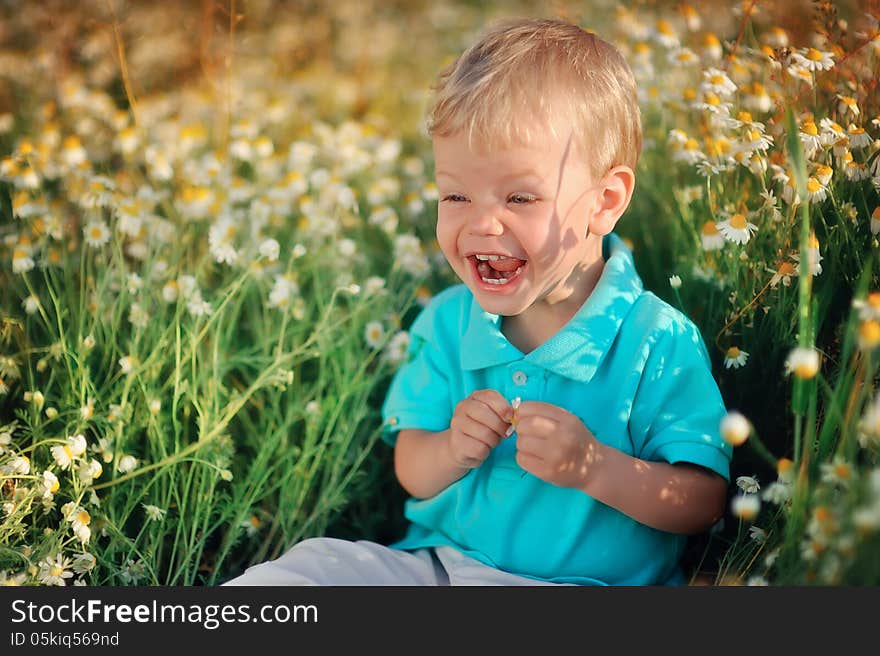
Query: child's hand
554	445
478	425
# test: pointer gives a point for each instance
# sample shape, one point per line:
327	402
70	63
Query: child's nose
485	221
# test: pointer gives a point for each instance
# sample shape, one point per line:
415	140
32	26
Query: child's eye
522	199
454	198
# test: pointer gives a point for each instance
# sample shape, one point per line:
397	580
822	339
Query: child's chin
504	307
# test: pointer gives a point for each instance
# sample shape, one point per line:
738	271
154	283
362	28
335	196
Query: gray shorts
330	561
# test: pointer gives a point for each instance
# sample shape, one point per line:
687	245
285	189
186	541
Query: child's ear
615	192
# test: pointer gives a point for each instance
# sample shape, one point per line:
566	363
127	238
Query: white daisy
710	237
858	138
810	138
816	191
748	484
53	571
22	261
89	471
778	492
398	347
373	285
83	563
374	334
783	274
868	307
62	455
716	81
735	428
50	483
96	233
284	290
758	534
221	238
126	364
735	358
745	506
813	59
270	249
126	464
803	362
154	513
737	228
836	472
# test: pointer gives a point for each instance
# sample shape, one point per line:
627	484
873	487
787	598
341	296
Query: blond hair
529	71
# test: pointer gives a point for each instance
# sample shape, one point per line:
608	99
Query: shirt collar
579	347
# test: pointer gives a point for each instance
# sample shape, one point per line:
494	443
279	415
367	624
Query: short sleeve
677	410
419	396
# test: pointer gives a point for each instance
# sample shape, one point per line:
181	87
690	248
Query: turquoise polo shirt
634	369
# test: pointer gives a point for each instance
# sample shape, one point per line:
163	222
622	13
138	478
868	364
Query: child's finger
475	429
538	408
495	401
487	417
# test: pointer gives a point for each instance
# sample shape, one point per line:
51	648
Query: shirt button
520	378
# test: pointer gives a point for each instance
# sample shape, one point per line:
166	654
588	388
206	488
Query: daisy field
217	224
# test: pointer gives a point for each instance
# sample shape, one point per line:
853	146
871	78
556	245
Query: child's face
532	205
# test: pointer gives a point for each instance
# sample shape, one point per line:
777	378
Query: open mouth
496	270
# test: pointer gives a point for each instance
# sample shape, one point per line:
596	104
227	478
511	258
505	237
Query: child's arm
427	462
557	447
678	498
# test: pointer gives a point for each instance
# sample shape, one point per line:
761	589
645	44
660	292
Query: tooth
482	258
518	271
493	258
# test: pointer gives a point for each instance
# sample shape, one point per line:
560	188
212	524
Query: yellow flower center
56	571
712	99
805	370
664	27
71	143
96	233
691	144
738	221
814	55
869	333
710	229
809	127
813	185
874	297
784	466
822	514
83	517
195	193
842	470
745	117
717	79
733	352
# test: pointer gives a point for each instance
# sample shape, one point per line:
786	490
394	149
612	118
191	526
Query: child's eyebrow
519	175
